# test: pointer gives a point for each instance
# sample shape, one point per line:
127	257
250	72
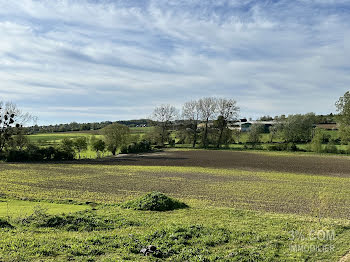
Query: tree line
206	122
74	126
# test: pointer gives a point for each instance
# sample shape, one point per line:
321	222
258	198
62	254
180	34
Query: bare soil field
318	165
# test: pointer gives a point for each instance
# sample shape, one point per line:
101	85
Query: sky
97	60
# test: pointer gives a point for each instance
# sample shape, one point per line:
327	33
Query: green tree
236	134
343	107
116	136
80	144
298	128
254	135
316	143
98	145
67	146
274	132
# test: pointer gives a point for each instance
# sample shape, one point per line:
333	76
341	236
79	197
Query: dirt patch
239	160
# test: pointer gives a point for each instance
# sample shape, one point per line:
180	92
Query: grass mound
154	201
79	221
5	224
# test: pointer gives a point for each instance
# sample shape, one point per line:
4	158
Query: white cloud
121	58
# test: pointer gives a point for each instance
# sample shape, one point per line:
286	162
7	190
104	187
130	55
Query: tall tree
298	128
207	107
343	107
164	115
80	144
116	136
228	111
99	146
191	112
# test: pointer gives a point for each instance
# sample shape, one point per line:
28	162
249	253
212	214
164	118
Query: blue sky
90	60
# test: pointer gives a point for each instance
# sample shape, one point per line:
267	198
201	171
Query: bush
34	153
283	147
331	148
5	224
141	147
291	147
154	201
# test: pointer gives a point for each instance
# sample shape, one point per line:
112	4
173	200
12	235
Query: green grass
15	208
233	215
193	234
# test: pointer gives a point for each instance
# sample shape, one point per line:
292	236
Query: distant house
244	126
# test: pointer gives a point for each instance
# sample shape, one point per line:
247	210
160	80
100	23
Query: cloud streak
121	58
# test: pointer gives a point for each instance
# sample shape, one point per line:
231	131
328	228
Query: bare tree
11	118
227	110
191	112
164	114
207	107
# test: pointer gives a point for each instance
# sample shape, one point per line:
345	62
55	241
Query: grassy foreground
233	215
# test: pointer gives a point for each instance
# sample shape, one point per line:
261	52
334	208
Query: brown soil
240	160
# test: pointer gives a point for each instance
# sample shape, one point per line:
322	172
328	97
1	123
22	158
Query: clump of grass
5	224
181	243
79	221
154	201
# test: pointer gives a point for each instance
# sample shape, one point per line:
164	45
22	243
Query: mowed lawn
235	214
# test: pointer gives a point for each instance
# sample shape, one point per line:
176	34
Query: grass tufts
5	224
154	201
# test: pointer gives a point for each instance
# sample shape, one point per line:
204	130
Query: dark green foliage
154	201
140	147
331	148
116	136
254	135
283	147
34	153
298	128
98	145
5	224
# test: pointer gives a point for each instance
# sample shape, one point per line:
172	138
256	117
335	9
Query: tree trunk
114	151
205	142
194	135
220	137
163	136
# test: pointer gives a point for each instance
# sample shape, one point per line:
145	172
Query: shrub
134	148
291	147
316	144
154	201
34	153
277	147
331	148
5	224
